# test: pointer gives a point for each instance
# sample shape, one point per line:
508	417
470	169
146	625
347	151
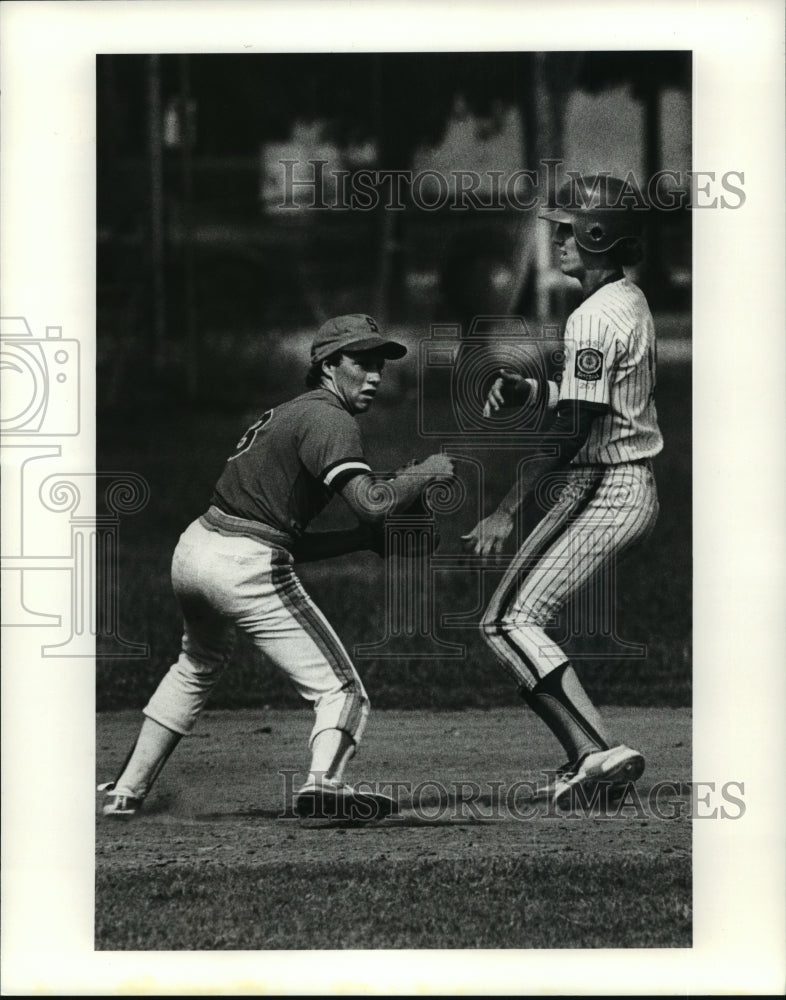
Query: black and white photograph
366	301
369	480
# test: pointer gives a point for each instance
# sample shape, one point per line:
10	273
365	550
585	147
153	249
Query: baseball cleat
335	800
546	789
565	774
118	805
613	768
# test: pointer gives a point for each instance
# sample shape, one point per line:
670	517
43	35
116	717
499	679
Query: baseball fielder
604	429
233	568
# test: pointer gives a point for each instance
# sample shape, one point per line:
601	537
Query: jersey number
248	438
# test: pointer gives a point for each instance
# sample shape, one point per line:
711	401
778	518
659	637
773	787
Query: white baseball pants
224	582
602	512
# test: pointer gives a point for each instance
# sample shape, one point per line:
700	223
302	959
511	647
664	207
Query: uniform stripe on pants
600	515
311	619
224	581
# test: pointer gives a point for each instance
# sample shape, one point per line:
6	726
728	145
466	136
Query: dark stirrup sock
563	704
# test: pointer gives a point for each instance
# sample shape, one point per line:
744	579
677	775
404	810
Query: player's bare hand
508	389
437	466
489	535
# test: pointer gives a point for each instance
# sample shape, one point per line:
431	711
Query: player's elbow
572	426
372	518
370	499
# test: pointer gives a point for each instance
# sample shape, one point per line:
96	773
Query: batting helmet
591	205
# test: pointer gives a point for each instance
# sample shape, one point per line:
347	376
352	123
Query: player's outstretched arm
507	389
372	498
510	389
566	436
314	545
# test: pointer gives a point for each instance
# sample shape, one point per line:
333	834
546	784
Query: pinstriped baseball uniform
610	357
610	501
233	567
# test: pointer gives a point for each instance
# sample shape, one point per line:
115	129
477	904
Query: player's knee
492	626
359	709
360	695
522	621
352	687
205	655
364	704
197	673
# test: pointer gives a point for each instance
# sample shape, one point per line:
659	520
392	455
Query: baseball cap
354	332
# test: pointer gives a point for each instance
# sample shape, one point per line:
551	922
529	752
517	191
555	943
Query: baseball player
233	568
604	429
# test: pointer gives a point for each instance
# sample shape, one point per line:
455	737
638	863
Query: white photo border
47	258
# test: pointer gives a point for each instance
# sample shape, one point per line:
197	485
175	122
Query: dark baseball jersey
289	463
610	356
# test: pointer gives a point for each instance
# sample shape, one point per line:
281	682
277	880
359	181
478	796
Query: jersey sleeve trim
343	470
341	480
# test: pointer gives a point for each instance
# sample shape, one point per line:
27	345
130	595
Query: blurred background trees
194	248
209	293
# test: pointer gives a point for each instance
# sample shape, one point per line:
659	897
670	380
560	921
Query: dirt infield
222	807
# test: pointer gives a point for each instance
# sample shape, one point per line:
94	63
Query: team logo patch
589	364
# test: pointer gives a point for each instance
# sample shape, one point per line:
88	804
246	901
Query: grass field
504	903
215	862
180	450
212	863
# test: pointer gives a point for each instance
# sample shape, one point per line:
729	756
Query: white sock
151	751
330	752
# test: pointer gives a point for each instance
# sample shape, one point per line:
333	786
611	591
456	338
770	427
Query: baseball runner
604	429
233	568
